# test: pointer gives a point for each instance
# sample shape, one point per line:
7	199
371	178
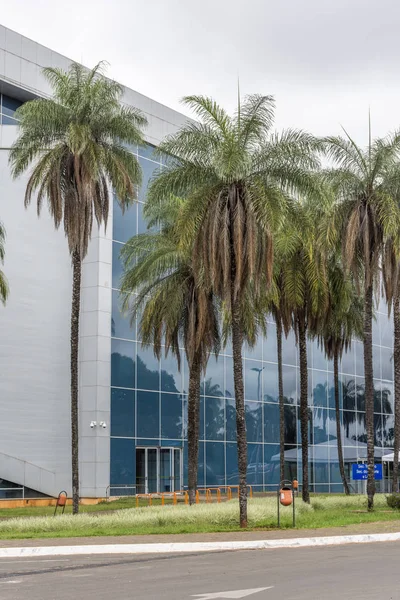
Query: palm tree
342	322
3	281
366	213
159	284
76	145
282	317
235	175
303	296
391	287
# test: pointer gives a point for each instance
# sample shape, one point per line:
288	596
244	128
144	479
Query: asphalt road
366	571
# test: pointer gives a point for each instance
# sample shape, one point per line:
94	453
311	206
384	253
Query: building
132	408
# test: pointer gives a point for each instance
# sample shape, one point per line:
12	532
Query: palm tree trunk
304	407
281	401
338	429
369	394
193	426
76	301
237	344
396	360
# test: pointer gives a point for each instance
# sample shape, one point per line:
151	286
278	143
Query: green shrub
393	501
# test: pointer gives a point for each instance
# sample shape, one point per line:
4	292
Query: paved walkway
267	534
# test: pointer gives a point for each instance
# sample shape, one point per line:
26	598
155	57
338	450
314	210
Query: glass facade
8	106
149	399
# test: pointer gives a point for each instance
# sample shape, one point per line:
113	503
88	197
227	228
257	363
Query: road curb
191	547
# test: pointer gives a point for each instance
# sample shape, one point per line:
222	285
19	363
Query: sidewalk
383	527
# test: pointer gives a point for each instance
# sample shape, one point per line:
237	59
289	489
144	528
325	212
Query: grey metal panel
34	335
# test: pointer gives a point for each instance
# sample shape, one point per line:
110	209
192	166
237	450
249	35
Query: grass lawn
324	511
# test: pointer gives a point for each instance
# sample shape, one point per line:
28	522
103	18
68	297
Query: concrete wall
35	325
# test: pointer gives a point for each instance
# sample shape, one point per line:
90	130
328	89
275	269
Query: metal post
294	511
279	520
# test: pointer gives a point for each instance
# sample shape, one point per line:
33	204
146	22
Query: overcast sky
325	61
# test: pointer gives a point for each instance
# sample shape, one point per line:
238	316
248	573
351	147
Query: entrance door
158	470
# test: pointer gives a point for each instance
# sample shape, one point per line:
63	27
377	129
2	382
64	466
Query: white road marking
13	581
233	594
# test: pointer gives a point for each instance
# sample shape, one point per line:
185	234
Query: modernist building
140	402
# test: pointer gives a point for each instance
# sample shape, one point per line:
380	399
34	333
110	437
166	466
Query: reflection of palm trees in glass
353	395
211	389
259	371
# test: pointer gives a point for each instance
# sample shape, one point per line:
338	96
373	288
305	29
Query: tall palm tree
341	323
3	281
366	213
235	175
391	287
159	283
304	296
283	321
75	143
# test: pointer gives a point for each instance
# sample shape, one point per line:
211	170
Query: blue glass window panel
347	364
171	443
359	358
387	364
215	463
270	382
386	328
318	357
331	391
6	120
229	385
147	151
213	384
148	369
376	358
230	419
201	470
124	222
171	416
320	425
289	349
122	413
271	423
148	414
215	418
185	465
360	395
269	344
202	418
123	356
253	380
289	375
290	424
232	473
349	419
387	391
349	391
171	378
123	461
255	464
254	421
117	266
147	442
256	352
320	388
9	105
271	464
149	169
120	325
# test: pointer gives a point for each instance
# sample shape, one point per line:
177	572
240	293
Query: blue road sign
360	471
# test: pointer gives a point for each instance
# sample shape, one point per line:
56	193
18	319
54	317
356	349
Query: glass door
158	470
166	481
